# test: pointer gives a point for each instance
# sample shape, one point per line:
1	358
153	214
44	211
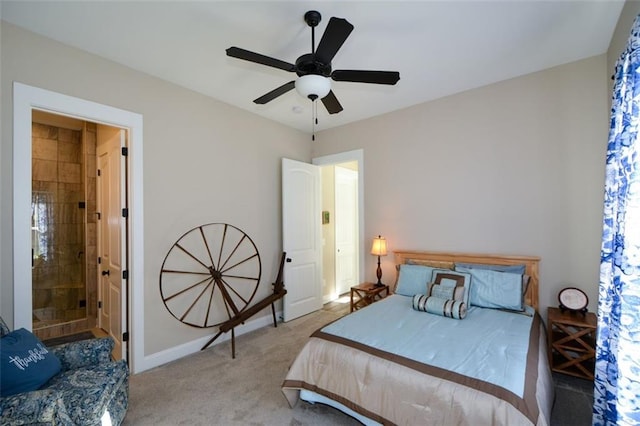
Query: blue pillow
514	269
25	363
413	279
497	290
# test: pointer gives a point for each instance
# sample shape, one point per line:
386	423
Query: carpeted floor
574	401
211	388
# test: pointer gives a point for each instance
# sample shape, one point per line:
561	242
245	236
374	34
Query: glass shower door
58	227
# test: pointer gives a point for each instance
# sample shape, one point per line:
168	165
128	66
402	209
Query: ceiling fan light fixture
314	69
313	86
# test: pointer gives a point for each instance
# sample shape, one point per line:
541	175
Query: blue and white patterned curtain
617	372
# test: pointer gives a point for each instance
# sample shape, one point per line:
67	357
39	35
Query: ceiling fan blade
236	52
376	77
331	103
275	93
334	36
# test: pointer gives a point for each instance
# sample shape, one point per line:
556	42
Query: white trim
26	98
345	157
22	302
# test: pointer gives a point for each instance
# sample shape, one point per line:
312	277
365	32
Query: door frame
345	157
25	99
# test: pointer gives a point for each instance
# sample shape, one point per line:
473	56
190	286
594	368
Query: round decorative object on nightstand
573	299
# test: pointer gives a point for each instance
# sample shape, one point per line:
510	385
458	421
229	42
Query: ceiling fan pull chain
314	120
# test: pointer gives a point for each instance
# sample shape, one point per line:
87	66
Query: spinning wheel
210	275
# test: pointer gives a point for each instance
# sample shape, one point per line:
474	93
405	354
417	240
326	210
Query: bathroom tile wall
58	205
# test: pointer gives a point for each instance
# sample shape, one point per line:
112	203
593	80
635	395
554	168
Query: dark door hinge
99	173
125	151
125	336
125	212
99	260
125	275
100	304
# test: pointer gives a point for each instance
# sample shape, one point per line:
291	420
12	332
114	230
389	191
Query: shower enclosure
63	225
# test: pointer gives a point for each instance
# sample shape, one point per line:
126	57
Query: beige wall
514	167
202	163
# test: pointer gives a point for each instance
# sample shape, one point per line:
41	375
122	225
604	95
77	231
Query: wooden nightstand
572	342
366	293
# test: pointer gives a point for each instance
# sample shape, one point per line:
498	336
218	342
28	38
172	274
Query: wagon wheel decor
209	275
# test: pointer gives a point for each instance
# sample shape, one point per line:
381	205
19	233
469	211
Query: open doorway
342	222
26	99
339	229
77	199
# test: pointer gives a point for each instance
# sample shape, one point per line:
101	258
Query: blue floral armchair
90	389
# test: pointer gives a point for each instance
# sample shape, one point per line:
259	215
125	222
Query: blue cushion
514	269
25	363
413	279
493	289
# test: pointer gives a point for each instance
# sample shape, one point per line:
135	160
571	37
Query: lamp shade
313	86
379	247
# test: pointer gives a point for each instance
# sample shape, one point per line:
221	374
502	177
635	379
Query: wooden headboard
447	260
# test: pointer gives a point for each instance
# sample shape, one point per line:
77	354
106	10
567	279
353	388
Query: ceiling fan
314	69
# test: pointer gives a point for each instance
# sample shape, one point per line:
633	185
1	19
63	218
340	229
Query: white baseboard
180	351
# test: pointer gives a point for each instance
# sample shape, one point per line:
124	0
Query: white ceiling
439	47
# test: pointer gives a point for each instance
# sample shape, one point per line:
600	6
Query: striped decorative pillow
461	281
456	309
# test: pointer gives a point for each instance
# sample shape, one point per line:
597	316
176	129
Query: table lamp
379	248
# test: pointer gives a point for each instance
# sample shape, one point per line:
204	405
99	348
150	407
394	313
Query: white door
301	238
346	225
111	196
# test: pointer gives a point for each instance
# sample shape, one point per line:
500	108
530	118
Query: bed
398	361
